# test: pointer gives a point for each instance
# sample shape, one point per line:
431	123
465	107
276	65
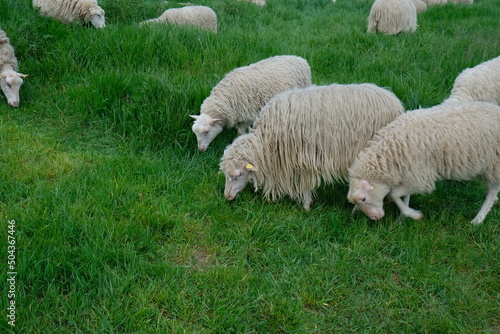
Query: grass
122	226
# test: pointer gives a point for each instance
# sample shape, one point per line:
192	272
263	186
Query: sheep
10	79
461	1
307	136
260	3
420	6
237	99
450	141
199	16
479	83
392	17
68	11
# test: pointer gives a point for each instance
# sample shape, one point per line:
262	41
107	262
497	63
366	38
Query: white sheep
392	17
10	79
306	137
420	6
260	3
450	141
479	83
237	99
68	11
199	16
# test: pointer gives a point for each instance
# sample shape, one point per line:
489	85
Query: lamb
10	79
392	17
450	141
199	16
420	6
479	83
68	11
237	99
307	136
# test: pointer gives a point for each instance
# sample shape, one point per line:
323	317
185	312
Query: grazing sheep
479	83
307	136
392	16
420	6
237	99
68	11
10	79
451	141
199	16
260	3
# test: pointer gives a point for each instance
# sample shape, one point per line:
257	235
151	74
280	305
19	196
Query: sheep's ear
22	75
194	116
365	185
0	75
250	167
214	120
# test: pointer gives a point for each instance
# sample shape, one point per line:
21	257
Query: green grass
122	226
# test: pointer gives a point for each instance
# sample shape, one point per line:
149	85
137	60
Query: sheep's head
237	177
206	129
368	197
96	17
10	82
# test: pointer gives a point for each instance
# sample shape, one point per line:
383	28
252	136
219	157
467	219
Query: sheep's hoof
476	221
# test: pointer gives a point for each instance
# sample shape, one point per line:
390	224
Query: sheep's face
10	82
206	129
237	179
97	17
368	197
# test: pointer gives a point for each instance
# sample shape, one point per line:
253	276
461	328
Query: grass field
121	225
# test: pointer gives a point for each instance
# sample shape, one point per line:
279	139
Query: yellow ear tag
249	166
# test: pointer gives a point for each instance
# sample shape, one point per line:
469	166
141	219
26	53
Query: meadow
121	225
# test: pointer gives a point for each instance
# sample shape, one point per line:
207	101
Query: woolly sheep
307	136
260	3
449	141
68	11
199	16
420	6
10	79
479	83
237	99
392	17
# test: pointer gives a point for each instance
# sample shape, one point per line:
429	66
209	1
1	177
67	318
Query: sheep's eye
363	199
205	132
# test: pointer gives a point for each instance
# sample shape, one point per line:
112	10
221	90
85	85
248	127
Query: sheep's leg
491	198
406	211
406	202
307	201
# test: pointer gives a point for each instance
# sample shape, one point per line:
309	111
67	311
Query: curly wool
240	95
449	141
7	54
198	16
420	6
392	16
67	11
308	136
479	83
